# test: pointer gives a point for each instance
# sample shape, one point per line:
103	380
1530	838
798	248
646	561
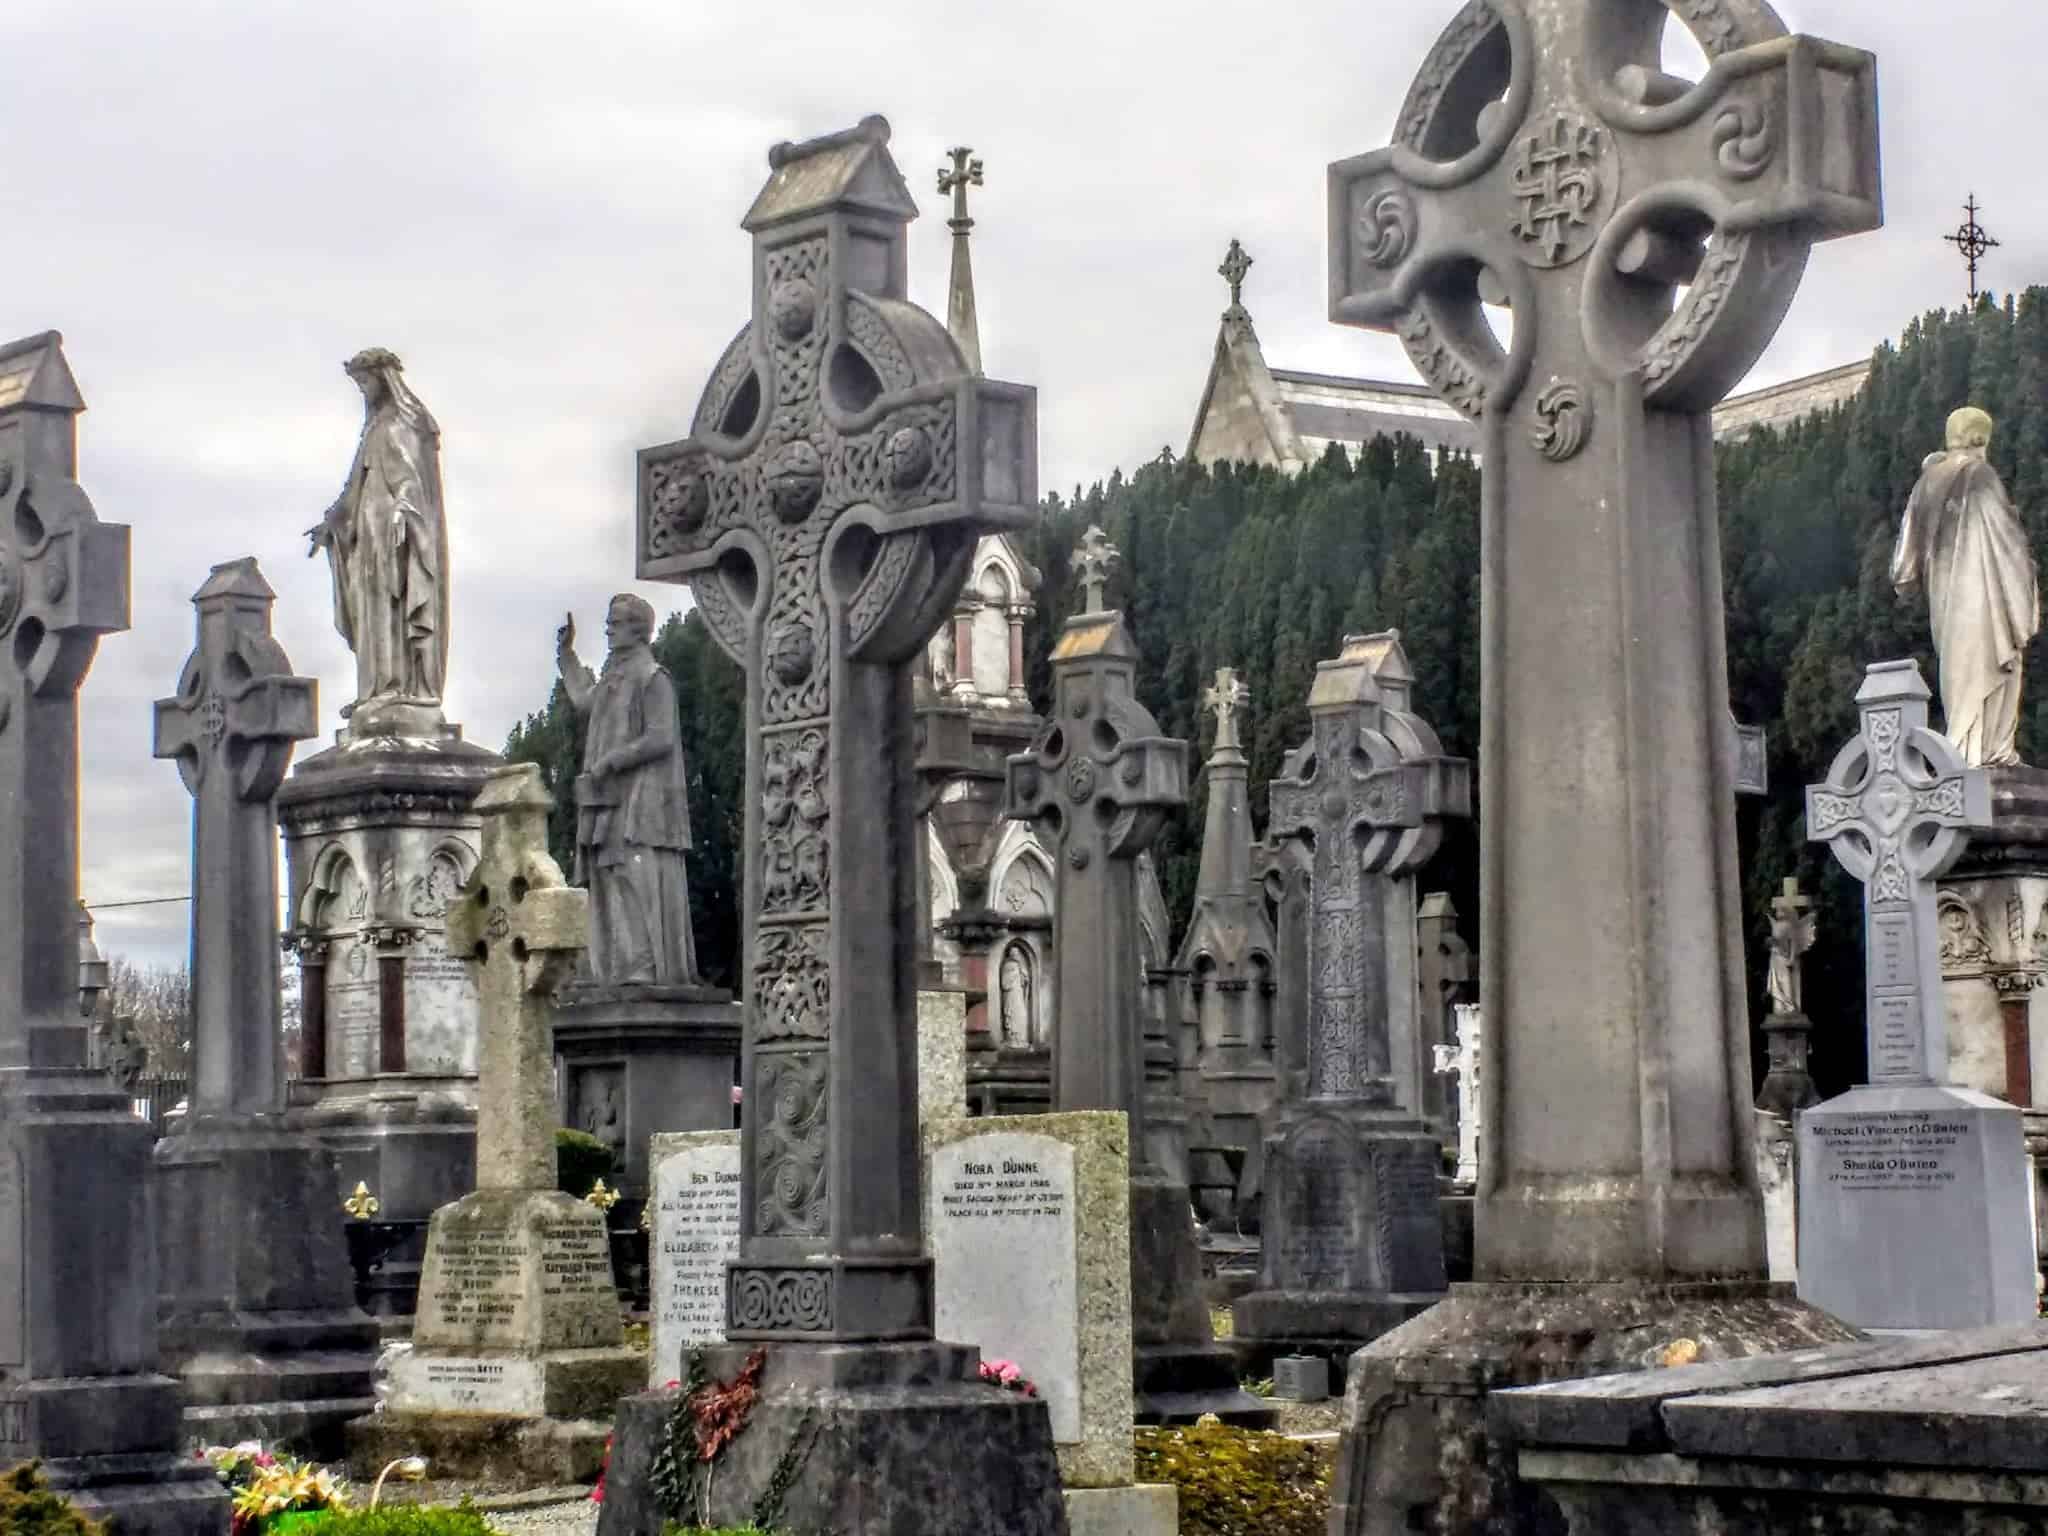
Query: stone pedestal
1417	1454
258	1310
1353	1243
379	833
637	1061
517	1337
1914	1209
79	1384
1180	1371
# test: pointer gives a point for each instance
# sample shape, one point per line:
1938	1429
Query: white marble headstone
695	1232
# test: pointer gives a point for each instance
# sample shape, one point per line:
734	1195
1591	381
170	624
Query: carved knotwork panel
791	1102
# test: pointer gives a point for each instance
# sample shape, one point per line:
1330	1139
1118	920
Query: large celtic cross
63	584
1370	792
1896	808
231	728
1645	234
842	464
1098	784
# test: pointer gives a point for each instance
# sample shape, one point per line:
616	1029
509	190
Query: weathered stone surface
79	1386
941	1055
527	1270
1942	1433
1142	1509
1029	1219
1301	1378
694	1232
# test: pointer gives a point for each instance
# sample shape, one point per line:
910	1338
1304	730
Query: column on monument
312	958
963	647
1017	613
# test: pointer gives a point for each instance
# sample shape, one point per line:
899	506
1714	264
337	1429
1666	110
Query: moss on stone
1238	1482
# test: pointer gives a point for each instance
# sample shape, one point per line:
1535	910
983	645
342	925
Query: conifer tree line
1243	567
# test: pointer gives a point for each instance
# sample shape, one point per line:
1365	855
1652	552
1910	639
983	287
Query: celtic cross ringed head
1543	160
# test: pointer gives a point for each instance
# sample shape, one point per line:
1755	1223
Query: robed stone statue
1962	538
387	543
632	805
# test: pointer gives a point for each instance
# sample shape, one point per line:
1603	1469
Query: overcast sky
537	207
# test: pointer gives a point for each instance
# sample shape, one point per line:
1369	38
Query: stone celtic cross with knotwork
843	462
231	728
1896	809
63	584
1370	791
1543	160
1226	699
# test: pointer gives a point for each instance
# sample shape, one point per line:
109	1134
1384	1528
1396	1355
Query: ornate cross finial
1224	699
1096	558
1971	239
965	172
1235	265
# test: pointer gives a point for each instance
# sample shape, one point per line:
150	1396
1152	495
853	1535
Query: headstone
1098	784
1227	950
79	1385
1301	1378
518	1322
1461	1061
1647	233
1443	964
380	830
695	1222
257	1315
1353	1239
843	462
1908	1153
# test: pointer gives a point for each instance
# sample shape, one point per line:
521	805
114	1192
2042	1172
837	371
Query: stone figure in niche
632	805
942	658
601	1118
1015	980
387	543
1962	539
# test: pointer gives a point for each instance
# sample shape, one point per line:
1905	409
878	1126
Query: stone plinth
635	1062
941	1054
1937	1434
895	1438
1417	1453
693	1233
379	832
1353	1239
1029	1223
1914	1209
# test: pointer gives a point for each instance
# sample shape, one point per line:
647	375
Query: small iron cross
231	728
63	584
1896	809
522	925
1225	699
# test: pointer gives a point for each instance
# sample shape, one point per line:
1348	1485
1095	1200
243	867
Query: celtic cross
63	584
842	464
1094	561
965	172
1224	699
522	926
1370	793
1896	808
231	728
1236	265
1646	234
1098	784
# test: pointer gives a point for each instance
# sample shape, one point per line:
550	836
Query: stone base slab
564	1384
1267	1324
154	1495
1418	1454
1143	1509
518	1453
872	1441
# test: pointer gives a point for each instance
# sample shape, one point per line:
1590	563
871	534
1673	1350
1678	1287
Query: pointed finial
1235	265
962	323
1223	700
1096	558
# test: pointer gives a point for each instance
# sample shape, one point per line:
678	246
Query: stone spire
1227	828
965	172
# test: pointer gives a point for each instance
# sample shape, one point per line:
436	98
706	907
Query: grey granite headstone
842	465
1648	233
258	1311
1353	1240
79	1385
1098	784
1914	1204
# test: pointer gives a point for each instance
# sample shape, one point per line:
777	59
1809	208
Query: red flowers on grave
604	1468
1005	1373
719	1410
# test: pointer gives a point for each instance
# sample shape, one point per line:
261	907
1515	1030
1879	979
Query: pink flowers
1004	1373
